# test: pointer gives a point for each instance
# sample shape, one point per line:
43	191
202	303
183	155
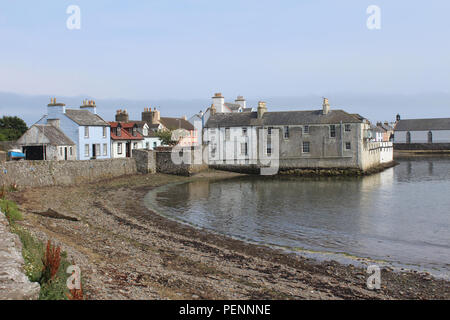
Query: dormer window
119	130
134	131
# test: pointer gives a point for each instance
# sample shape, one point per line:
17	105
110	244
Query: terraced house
83	126
321	138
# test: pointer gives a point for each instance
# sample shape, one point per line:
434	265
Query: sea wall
184	163
422	146
145	160
47	173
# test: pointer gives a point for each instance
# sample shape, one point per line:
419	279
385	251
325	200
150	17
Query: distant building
47	142
387	129
377	133
125	138
83	126
155	123
306	139
429	131
220	106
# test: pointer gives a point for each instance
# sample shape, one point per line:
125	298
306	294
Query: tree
12	128
166	137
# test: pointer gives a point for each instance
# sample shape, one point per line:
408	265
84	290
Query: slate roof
85	118
423	124
176	123
232	106
55	136
281	118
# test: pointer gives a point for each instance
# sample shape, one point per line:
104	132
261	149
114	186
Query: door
94	154
65	153
128	147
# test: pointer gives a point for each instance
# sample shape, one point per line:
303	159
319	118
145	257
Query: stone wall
422	146
165	163
14	284
145	160
3	156
46	173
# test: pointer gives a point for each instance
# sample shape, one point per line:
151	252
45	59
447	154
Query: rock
14	284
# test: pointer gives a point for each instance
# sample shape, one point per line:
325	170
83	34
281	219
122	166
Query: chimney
121	115
261	109
219	102
53	122
241	101
325	106
150	116
184	117
89	105
54	109
213	109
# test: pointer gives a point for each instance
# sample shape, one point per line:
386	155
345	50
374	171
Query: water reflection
397	215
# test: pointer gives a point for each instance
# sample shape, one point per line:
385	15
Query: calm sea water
401	215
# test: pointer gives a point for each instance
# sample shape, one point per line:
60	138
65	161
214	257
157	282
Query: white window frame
306	143
86	131
86	148
105	149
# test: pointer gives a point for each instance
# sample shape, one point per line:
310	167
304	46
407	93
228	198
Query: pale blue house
88	130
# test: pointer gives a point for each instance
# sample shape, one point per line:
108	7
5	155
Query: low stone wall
14	284
165	163
422	146
145	161
47	173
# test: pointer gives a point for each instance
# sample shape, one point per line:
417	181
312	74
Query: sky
186	50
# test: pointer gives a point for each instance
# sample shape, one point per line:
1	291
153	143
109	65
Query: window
269	130
408	137
227	134
306	129
147	145
244	131
348	146
119	130
213	150
348	128
154	144
244	149
306	147
60	151
97	149
269	148
70	151
104	132
430	137
332	131
134	131
286	132
86	132
86	150
119	148
105	149
135	146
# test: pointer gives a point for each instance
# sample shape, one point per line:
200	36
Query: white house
83	126
422	131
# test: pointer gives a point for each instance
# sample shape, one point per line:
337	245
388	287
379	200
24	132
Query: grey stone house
46	142
321	138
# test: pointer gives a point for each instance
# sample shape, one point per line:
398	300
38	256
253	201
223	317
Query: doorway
128	149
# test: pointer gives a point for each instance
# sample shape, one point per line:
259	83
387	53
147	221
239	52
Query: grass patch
33	252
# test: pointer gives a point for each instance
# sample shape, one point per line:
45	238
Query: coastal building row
81	134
